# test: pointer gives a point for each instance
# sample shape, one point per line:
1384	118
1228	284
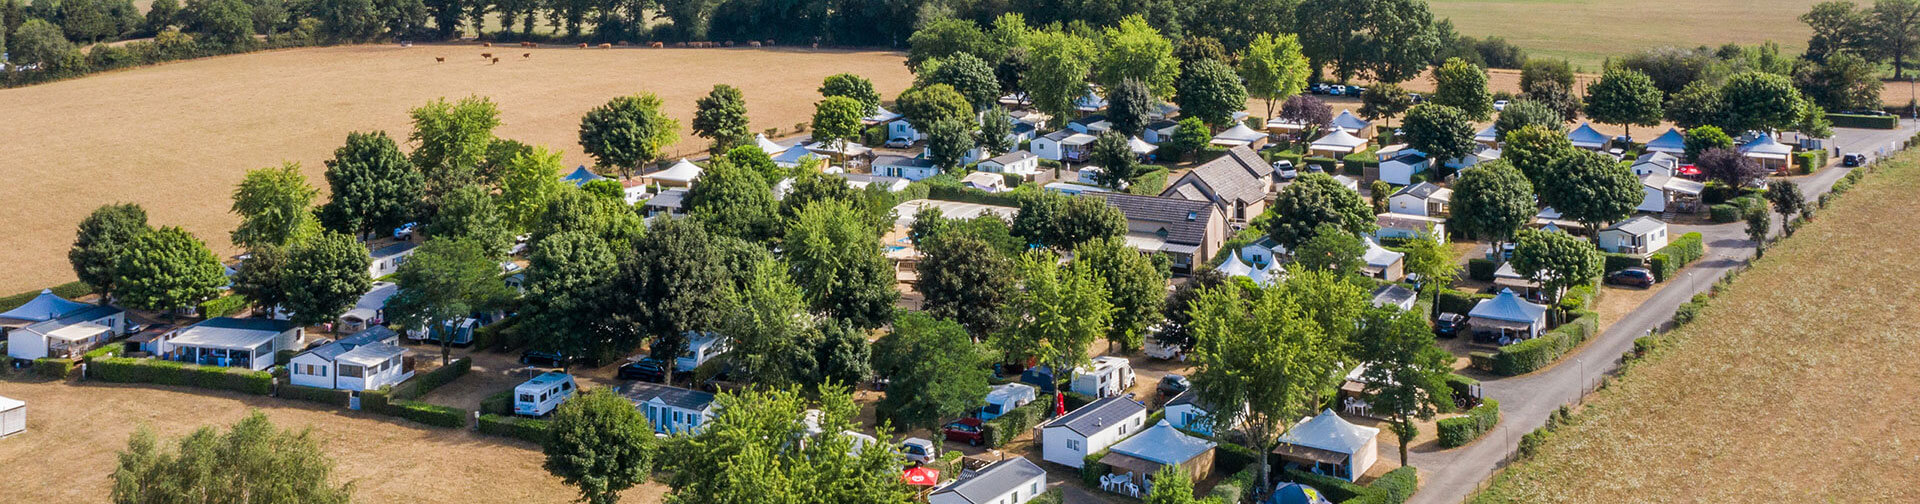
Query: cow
583	45
486	44
439	59
526	55
753	43
606	46
486	55
495	61
656	45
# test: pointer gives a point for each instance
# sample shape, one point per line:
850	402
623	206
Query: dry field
177	137
1588	31
74	431
1796	383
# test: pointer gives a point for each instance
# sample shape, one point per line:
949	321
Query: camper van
701	347
1108	376
462	332
540	395
1005	397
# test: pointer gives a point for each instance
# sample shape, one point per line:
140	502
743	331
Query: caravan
1005	397
539	396
1108	376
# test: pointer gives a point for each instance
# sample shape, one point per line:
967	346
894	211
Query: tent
1586	137
1764	147
880	115
44	307
1352	124
1141	147
1234	267
13	416
1506	313
1239	134
1160	446
1670	142
760	140
581	176
681	174
1489	136
1328	444
1295	493
1339	143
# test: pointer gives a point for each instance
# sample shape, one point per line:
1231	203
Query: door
353	400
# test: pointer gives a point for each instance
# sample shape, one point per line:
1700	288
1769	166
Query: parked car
644	369
1500	105
1318	89
1853	160
543	358
899	143
1173	384
405	231
1337	90
1355	90
1285	169
1417	98
965	430
1449	325
1638	277
917	450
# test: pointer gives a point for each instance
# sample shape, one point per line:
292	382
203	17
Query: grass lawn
1586	32
1797	381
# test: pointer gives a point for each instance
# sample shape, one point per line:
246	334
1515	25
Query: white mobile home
1640	236
1068	439
51	326
1015	480
904	167
701	347
1106	376
542	394
366	360
243	343
387	260
13	417
671	410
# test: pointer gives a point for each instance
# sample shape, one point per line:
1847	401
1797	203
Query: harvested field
1796	381
74	431
1588	31
177	137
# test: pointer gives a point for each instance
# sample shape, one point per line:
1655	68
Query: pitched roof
46	306
1239	133
793	155
1379	256
1327	431
990	482
1489	134
1391	294
1508	307
1163	444
1240	175
1662	159
1339	139
394	249
640	392
683	171
369	337
1347	121
1098	415
1586	136
371	355
1140	146
1670	142
1012	157
1765	146
766	145
671	198
581	176
1638	225
902	161
1423	190
1185	221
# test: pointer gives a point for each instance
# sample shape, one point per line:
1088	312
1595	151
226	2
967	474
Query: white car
918	450
1500	105
1285	169
899	143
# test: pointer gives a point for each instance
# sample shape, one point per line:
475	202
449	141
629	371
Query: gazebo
1771	154
581	176
1353	124
1337	144
44	307
681	174
1671	142
760	140
1330	445
1512	317
1239	135
1141	147
1586	137
1161	445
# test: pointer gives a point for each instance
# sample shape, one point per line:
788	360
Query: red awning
923	476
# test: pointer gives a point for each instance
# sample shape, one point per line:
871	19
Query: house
1420	199
1382	263
1105	376
1488	137
701	347
1670	143
1656	163
1161	445
1285	128
13	417
1772	155
1407	227
387	260
366	360
1063	145
862	180
1352	184
1506	277
1005	397
1402	166
1337	144
581	176
1069	438
1022	163
1640	236
1238	183
671	202
1160	131
681	174
1262	251
1187	412
669	409
903	130
369	310
1509	316
1394	295
1665	192
904	167
49	326
1481	153
1586	137
249	343
1240	136
634	190
1021	132
1188	231
1350	123
840	149
1014	480
1092	125
1330	445
985	181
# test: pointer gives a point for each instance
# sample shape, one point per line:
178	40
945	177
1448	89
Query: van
540	395
1107	376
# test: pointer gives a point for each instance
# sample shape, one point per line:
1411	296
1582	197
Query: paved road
1526	401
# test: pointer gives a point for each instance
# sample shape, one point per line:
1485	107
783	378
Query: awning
1309	454
77	332
1123	463
1487	323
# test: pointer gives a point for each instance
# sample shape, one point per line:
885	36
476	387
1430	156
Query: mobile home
1107	376
539	396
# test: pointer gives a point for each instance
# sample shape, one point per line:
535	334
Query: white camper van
1107	376
1005	397
701	347
540	395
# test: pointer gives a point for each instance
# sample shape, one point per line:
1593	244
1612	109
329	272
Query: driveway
1526	401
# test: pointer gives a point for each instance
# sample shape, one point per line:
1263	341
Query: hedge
67	290
378	401
965	195
1233	488
112	349
525	429
328	397
1723	213
1091	469
1458	431
1232	456
498	404
1394	487
1461	386
1885	122
164	372
421	384
1074	400
1334	489
59	369
1526	356
1481	269
1149	183
1808	161
223	306
1002	429
499	336
1617	262
1453	301
1688	248
1689	310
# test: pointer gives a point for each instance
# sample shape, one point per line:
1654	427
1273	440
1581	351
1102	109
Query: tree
759	448
925	106
1760	101
965	279
1406	374
1492	201
669	285
1134	286
1275	70
261	278
1705	138
1522	113
1699	104
1064	222
1114	155
166	269
470	212
1843	82
1172	486
836	259
1895	31
326	275
102	236
598	442
275	206
1758	223
444	281
609	219
627	131
1308	112
532	180
1128	106
1135	50
1838	27
1558	261
1178	308
855	87
1331	248
161	15
1433	261
38	42
733	201
1211	92
721	116
1729	167
836	120
935	371
1058	65
1190	136
1786	199
1056	313
373	185
996	131
1382	195
1532	150
1442	132
1383	101
1543	71
943	38
1625	97
1312	200
948	142
1590	188
228	23
1462	85
967	74
252	462
566	305
875	209
753	158
1388	40
450	141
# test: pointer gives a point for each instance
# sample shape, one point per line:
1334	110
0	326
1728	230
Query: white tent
880	115
1670	142
760	140
1141	147
1339	142
1507	312
1586	137
1239	134
13	416
1378	256
1233	266
1328	439
1489	135
682	173
1349	122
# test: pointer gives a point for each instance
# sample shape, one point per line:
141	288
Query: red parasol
923	476
1059	404
1689	170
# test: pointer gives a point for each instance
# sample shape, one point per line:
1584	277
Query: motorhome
1107	376
701	347
1005	397
539	396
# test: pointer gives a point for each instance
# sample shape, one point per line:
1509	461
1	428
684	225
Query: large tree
1894	32
598	442
1056	77
948	142
1312	200
1056	313
97	245
275	205
1838	27
1212	92
566	303
609	219
1274	69
837	120
253	462
1698	104
773	338
1625	97
1705	138
325	275
1383	101
1842	82
923	106
1462	85
38	42
996	131
1433	261
721	116
471	212
836	257
1114	155
262	277
1406	374
1385	40
627	132
1760	101
854	87
1064	222
1310	113
444	281
964	278
373	185
1129	104
451	140
758	448
1331	248
945	37
1523	113
670	285
967	74
1590	188
1135	287
875	209
166	269
936	371
1135	50
1442	132
1532	150
1559	261
1492	201
532	179
733	201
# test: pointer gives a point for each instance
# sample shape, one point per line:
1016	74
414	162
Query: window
543	397
1073	444
352	371
526	397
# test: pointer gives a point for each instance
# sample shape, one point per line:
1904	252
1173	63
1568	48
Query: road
1526	401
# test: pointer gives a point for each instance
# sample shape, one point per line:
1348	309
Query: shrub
1481	360
59	369
421	384
498	404
1690	310
1662	266
162	372
1726	213
1481	269
328	397
1864	121
1617	262
1334	489
1526	356
1149	183
1232	489
1004	428
525	429
1458	431
1091	469
1075	400
1453	301
1396	486
108	350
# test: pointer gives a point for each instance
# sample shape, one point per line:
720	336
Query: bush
1002	429
498	404
1458	431
1334	489
163	372
1690	310
1149	183
223	306
1724	213
525	429
1232	457
1395	486
1461	386
1661	266
1481	360
1074	400
1091	469
1809	161
109	350
1453	301
1885	122
1232	489
1481	269
421	384
59	369
381	402
1526	356
1617	262
328	397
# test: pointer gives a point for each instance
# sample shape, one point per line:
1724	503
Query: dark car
1449	325
1853	160
1638	277
965	430
543	358
1173	384
644	369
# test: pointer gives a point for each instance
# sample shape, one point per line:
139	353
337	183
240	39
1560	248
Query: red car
966	430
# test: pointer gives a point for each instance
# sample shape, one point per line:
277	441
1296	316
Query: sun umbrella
923	476
1059	404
